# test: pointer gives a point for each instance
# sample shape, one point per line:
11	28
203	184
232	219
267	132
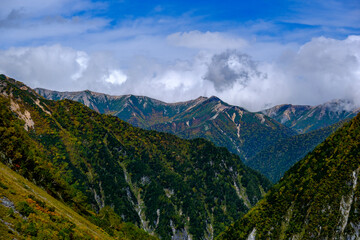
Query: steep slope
318	198
275	160
242	132
172	188
235	128
27	211
308	118
38	164
262	143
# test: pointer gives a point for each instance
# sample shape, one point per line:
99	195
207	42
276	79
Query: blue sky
326	16
163	49
267	20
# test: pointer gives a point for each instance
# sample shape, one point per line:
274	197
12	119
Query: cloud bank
320	70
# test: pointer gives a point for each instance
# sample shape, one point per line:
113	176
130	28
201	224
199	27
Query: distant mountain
318	198
242	132
269	142
303	118
170	187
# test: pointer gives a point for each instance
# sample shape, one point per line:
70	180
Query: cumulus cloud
205	40
115	77
321	70
324	68
61	68
230	67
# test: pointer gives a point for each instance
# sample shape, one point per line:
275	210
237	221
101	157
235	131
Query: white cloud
115	77
324	68
61	68
321	70
206	40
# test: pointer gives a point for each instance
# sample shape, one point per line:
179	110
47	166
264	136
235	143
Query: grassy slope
49	224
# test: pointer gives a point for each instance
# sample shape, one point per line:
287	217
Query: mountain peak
305	118
339	105
214	98
201	98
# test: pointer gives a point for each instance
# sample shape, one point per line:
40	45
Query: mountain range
69	172
270	141
305	118
110	172
225	125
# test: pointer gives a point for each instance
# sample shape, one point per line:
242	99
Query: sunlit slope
28	211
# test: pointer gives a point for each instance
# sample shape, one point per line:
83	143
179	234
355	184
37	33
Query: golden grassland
46	220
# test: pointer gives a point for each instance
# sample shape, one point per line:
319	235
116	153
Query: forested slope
168	186
275	160
318	198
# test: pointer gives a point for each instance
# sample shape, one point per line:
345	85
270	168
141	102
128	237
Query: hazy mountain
302	118
170	187
318	198
242	132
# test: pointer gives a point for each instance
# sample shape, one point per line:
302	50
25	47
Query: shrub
24	208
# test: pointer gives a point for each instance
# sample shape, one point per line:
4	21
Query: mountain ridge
270	141
306	118
210	118
172	188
